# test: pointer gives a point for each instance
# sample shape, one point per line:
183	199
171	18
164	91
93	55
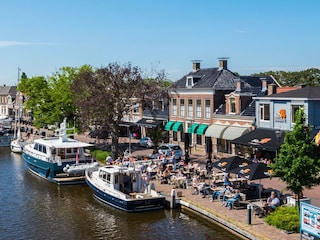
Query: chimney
223	63
264	87
195	65
239	84
272	88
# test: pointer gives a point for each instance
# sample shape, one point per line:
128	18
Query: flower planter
292	201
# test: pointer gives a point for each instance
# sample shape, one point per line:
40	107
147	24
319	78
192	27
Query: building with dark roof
211	106
7	101
275	115
277	111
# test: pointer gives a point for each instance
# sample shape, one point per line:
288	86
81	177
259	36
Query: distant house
7	101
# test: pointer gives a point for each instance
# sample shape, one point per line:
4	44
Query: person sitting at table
218	193
202	188
166	175
226	179
195	183
227	194
207	189
232	200
272	203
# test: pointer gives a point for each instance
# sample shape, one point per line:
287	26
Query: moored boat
17	143
51	157
123	188
5	138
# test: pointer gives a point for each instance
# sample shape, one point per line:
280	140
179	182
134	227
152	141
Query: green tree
37	91
104	96
50	99
309	77
297	163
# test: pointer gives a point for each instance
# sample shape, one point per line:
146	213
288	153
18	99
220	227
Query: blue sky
42	36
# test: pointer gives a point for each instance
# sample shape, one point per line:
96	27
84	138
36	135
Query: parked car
166	149
146	142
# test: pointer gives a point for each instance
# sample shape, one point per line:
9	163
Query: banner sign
309	221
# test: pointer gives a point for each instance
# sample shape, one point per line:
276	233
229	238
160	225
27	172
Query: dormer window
232	105
189	82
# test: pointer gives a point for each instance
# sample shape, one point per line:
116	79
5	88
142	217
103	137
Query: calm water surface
32	208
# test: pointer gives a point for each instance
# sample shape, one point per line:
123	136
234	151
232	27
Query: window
189	81
265	112
199	139
232	105
207	112
198	108
135	107
174	107
182	111
294	110
190	108
175	136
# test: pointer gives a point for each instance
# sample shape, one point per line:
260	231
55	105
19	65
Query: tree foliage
309	77
50	98
298	162
104	96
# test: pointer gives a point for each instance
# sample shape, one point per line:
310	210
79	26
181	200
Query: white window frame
294	108
207	109
198	108
174	107
182	108
189	82
232	105
190	108
264	115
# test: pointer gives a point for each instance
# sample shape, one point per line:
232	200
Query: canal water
32	208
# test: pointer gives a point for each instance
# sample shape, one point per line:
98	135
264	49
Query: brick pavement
237	217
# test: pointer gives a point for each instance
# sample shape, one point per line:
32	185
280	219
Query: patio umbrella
227	164
254	171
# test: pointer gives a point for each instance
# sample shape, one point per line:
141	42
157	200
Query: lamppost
278	136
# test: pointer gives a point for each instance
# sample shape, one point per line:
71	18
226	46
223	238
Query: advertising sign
309	221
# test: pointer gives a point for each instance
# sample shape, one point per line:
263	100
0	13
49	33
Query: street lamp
278	136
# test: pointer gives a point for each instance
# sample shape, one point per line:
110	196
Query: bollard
173	199
249	208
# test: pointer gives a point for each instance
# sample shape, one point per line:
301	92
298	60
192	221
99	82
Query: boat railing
38	156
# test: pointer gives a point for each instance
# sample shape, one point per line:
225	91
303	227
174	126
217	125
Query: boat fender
47	172
65	169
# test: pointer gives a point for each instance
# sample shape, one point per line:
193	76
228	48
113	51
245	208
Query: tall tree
37	91
105	95
50	99
298	163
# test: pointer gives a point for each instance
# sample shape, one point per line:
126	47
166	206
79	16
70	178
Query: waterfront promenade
236	219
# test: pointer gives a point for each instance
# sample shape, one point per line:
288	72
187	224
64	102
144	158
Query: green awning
169	125
193	128
178	126
202	129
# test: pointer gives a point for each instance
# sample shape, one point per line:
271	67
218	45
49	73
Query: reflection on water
32	208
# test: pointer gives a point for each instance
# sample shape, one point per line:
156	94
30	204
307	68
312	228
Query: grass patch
100	155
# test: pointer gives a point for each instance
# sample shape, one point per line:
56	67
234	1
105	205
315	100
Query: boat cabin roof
116	169
57	142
